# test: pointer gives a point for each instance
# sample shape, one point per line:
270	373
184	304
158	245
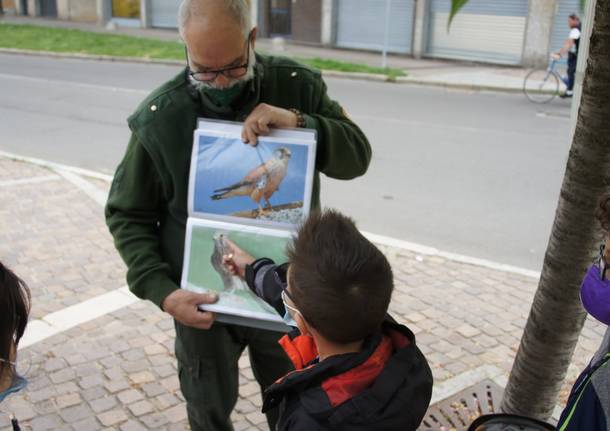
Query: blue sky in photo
223	162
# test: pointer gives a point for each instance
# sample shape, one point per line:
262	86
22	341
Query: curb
372	77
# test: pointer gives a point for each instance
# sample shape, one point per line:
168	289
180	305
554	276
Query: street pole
386	35
583	56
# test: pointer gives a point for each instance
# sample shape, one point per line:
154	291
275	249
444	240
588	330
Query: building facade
515	32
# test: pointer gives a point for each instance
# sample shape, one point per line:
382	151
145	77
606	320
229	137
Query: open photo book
253	196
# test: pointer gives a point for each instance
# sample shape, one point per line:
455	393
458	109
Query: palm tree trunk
556	317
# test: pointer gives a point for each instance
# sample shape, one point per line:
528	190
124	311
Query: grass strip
62	40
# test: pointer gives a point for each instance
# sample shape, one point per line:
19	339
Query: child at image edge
355	367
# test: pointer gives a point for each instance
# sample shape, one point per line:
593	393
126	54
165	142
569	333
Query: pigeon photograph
269	182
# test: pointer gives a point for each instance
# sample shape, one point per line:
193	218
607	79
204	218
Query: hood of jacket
388	383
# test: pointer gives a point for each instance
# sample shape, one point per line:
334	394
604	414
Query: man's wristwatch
300	117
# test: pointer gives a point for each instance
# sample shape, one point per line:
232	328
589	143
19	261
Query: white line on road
60	321
57	166
85	186
47	81
378	239
32	180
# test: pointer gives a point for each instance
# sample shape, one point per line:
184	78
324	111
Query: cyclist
570	46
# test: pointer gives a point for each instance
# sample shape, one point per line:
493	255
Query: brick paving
118	372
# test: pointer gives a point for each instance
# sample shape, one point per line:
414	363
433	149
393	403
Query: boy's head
339	281
14	310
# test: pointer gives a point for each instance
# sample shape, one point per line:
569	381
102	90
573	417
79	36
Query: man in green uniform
147	207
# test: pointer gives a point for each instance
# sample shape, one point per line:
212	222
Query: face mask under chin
223	96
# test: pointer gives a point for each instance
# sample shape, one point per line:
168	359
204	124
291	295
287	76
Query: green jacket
147	206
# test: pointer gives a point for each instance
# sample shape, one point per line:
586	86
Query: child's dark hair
14	311
340	282
602	212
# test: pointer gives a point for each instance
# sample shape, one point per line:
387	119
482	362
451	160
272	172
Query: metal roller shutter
483	30
560	32
164	13
361	24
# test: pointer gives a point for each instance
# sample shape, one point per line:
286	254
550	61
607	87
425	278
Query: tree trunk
556	317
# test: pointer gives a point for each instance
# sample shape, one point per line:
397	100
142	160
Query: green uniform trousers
208	371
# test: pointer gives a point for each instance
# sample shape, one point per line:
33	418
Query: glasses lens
205	76
236	72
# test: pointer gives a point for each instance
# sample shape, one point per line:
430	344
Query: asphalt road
470	173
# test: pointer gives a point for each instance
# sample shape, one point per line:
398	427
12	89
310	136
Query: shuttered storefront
483	30
164	13
361	24
560	32
48	8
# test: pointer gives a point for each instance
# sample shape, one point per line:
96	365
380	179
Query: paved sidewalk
117	371
427	71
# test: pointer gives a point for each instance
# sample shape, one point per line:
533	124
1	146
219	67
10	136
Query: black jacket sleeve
267	280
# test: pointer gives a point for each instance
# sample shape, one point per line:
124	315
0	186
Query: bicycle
542	86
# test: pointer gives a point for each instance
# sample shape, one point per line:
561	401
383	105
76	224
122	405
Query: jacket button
153	108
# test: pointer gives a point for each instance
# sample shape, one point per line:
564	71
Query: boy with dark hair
355	367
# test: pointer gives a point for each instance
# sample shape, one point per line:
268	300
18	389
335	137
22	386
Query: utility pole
583	56
386	34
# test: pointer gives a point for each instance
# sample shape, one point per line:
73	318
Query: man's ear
253	37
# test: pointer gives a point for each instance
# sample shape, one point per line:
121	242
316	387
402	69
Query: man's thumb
204	298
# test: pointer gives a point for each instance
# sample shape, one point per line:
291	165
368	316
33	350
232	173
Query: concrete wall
77	10
419	28
538	32
326	30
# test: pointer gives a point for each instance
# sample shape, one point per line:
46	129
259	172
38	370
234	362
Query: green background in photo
202	276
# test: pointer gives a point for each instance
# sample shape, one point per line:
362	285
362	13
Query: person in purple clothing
588	407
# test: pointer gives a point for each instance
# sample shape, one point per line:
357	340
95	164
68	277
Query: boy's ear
302	324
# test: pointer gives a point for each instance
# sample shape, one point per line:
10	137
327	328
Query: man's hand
556	55
182	305
262	118
236	260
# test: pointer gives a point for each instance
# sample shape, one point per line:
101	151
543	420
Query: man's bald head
210	10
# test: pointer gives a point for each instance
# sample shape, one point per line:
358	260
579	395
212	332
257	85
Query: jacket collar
325	385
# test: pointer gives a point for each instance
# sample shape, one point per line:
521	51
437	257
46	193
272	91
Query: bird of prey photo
230	282
261	182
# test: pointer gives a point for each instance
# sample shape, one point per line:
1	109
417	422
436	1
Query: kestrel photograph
204	271
269	184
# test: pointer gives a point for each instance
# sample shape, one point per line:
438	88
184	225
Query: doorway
280	18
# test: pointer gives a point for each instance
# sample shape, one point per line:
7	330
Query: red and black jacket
386	386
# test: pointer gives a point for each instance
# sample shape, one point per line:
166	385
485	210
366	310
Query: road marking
32	180
378	239
47	81
57	166
85	186
74	315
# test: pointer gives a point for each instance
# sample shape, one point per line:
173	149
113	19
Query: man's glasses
232	72
603	265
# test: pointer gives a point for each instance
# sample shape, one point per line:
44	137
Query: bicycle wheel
541	86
